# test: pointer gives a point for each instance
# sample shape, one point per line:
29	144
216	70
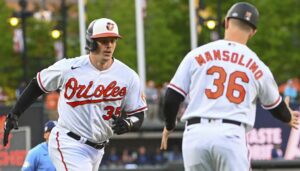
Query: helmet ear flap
94	45
91	45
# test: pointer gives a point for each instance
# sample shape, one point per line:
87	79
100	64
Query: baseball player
94	89
38	158
223	81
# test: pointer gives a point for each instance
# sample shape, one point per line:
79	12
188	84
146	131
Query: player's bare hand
294	123
11	122
164	139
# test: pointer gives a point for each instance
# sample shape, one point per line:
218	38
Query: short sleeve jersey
38	159
89	97
225	79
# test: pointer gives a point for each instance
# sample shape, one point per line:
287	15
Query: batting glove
11	122
121	125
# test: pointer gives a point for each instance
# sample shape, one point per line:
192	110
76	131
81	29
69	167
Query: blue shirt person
291	91
38	158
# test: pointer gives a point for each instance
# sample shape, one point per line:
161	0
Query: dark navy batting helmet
244	11
49	125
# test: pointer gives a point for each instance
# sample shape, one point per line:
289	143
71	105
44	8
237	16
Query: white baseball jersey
224	79
89	97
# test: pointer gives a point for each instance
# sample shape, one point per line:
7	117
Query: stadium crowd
141	157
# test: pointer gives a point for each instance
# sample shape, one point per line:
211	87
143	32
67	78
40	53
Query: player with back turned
94	89
223	81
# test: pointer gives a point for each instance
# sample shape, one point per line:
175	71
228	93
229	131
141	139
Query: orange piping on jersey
138	110
232	57
61	155
177	88
83	102
41	84
271	106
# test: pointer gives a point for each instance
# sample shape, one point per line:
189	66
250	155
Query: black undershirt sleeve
138	124
27	98
172	102
281	112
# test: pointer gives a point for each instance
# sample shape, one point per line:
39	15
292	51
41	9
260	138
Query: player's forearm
281	112
27	98
137	119
171	106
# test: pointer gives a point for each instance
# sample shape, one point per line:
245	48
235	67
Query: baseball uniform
88	99
94	90
223	81
38	159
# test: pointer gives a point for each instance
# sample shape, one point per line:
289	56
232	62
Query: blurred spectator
175	154
38	157
20	89
291	91
126	157
277	152
152	100
51	102
159	158
3	96
142	156
113	158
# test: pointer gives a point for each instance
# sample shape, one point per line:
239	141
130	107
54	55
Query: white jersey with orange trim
89	97
224	79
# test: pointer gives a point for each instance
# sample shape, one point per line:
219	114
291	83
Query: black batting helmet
244	11
90	44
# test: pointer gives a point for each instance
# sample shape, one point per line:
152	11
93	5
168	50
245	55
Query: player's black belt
95	145
198	120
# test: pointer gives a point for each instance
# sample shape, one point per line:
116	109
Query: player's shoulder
125	71
68	63
122	66
255	57
233	46
79	60
203	48
35	151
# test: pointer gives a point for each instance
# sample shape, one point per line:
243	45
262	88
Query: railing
270	165
150	136
276	164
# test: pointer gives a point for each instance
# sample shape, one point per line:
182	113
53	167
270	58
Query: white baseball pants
215	146
68	154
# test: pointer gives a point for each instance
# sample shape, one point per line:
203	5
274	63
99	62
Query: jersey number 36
231	87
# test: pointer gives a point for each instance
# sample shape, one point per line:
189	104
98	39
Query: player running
93	89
